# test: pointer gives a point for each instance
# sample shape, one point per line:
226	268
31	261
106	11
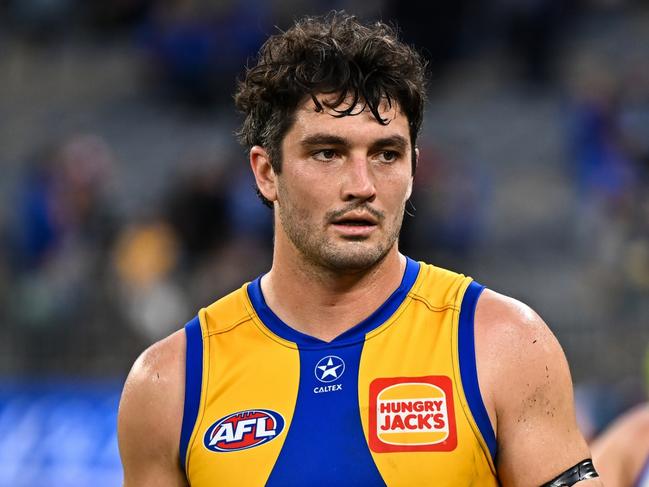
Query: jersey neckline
355	334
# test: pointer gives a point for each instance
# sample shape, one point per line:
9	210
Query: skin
150	416
333	169
329	273
621	451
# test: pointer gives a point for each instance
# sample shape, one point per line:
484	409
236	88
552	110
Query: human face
341	193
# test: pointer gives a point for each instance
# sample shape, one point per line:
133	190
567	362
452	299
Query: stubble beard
321	250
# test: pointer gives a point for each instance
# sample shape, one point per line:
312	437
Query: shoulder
156	377
513	346
526	386
503	317
158	365
151	406
514	343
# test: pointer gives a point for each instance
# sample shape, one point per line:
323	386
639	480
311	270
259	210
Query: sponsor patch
243	430
329	368
412	414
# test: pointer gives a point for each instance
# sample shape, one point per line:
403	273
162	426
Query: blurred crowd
80	277
126	205
608	144
71	256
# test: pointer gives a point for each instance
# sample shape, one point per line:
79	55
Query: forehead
360	121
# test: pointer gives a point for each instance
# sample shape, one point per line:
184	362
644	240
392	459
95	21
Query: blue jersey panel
193	381
468	367
325	444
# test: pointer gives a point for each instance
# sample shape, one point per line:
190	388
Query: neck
324	303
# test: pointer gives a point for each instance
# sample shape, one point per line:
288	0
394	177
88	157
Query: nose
358	180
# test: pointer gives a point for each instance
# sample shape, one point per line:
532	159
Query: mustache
336	214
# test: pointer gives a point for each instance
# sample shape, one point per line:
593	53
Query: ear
264	174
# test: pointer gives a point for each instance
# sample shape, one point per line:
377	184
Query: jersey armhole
468	367
193	384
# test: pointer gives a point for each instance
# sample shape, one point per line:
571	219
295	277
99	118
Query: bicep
537	429
148	423
146	460
528	385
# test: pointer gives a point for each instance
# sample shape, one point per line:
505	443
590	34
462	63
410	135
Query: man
621	453
348	363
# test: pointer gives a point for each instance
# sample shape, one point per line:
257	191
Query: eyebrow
323	139
396	141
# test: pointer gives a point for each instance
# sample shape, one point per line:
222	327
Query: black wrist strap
584	470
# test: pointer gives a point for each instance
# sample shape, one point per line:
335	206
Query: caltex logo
329	368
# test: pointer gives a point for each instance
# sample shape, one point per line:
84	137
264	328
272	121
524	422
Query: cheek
397	190
301	200
308	186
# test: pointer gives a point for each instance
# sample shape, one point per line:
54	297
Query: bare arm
621	451
527	390
150	416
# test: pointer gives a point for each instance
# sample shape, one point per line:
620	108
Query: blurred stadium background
126	204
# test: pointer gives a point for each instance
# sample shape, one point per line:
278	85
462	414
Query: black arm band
584	470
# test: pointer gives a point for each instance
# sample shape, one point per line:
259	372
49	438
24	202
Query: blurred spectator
634	126
602	166
197	208
64	199
223	229
62	229
213	231
195	49
36	232
447	206
609	157
250	219
145	256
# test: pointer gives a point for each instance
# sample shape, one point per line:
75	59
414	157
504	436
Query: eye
325	155
388	156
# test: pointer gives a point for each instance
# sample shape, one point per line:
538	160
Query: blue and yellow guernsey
392	401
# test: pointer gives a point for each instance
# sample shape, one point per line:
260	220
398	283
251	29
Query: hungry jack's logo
412	414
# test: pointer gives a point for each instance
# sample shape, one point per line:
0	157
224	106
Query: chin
352	260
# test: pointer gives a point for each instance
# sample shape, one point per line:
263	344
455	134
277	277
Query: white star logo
329	368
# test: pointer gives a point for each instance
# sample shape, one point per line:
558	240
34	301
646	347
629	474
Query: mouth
355	219
355	225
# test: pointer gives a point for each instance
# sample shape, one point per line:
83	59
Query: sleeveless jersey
392	401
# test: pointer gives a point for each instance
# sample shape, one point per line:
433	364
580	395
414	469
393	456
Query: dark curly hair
334	54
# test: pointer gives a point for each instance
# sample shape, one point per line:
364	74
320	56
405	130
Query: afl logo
329	368
243	430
